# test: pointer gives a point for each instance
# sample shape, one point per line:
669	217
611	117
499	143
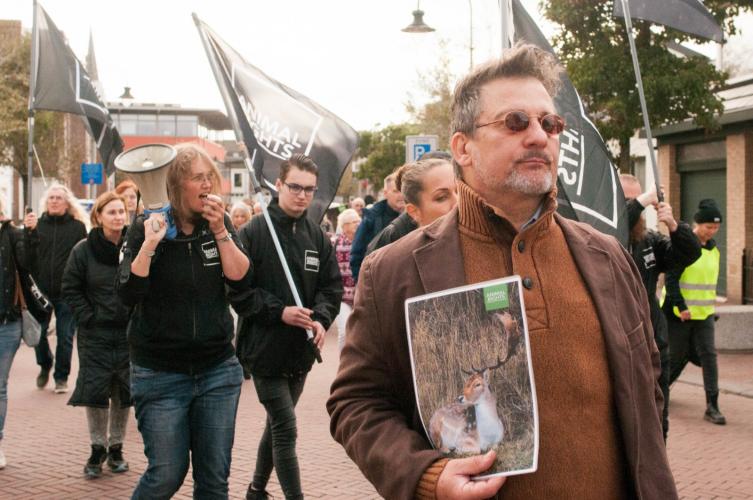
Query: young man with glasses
272	339
594	358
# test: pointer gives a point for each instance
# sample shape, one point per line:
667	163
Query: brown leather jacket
372	402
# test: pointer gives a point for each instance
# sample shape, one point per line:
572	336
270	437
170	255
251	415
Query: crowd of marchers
152	313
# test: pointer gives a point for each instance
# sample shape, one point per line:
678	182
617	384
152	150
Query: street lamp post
470	30
418	26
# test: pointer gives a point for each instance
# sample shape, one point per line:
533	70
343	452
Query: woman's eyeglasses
518	121
297	189
202	178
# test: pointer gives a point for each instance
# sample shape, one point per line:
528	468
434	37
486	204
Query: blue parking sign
91	173
418	145
420	149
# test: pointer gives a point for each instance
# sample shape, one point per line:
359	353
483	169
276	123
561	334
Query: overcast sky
348	55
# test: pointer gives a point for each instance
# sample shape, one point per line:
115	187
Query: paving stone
46	441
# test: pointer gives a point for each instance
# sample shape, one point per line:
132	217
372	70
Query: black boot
115	460
713	414
43	377
254	494
93	467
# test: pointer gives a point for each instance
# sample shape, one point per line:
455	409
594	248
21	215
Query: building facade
697	164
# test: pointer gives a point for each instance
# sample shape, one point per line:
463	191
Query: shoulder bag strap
19	298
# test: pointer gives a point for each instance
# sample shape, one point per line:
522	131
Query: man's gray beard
526	184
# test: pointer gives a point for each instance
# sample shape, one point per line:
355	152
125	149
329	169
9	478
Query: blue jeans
10	337
180	414
65	328
279	395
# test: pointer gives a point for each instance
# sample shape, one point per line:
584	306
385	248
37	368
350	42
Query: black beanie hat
707	212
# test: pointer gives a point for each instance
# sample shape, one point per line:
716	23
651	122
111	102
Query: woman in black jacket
89	289
185	378
17	250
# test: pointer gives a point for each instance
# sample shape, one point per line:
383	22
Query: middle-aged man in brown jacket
594	358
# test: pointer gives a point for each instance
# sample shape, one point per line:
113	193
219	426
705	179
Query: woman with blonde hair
185	378
72	204
61	226
103	379
347	224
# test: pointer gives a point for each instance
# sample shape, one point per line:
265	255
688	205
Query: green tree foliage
14	102
384	150
594	48
433	117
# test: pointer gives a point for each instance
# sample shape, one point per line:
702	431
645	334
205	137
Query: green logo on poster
495	297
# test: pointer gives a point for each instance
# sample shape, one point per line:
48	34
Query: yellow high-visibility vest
698	285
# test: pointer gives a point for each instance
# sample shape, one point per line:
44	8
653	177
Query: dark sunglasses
518	121
296	189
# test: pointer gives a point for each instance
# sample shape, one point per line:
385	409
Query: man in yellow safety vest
689	307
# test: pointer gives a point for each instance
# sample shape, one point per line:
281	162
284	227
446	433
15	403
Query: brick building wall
738	199
739	187
669	177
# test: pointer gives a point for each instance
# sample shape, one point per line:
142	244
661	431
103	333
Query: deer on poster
471	424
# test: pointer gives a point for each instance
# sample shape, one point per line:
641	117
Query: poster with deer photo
472	373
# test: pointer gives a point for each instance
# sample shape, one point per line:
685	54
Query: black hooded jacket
656	254
58	234
266	345
180	322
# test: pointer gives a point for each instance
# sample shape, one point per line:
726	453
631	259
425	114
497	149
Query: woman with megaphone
185	378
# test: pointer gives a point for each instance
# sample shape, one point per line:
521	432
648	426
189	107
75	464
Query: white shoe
61	387
3	462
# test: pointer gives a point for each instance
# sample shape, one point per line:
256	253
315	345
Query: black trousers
698	335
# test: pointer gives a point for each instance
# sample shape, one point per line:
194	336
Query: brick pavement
47	442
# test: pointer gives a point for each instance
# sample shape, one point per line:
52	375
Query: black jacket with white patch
266	345
181	321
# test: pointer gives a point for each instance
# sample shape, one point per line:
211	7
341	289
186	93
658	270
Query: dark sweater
267	346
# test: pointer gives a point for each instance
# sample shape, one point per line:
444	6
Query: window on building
147	125
187	126
238	180
127	124
166	125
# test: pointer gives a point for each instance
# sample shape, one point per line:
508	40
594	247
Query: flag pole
32	87
221	73
504	11
639	81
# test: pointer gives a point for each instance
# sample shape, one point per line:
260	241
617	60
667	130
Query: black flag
688	16
62	84
588	187
277	122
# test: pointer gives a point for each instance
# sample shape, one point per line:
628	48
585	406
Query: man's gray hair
521	61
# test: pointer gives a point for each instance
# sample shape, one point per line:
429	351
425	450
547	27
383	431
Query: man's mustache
539	155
